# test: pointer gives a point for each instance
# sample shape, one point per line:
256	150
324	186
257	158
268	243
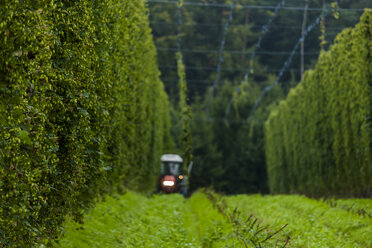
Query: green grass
363	207
134	220
311	223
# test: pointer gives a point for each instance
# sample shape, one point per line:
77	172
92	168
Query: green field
135	220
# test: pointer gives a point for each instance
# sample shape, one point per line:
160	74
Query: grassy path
160	221
134	220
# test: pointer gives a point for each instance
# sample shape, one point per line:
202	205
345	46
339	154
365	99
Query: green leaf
25	137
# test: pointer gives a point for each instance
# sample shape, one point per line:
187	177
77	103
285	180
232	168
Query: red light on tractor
169	183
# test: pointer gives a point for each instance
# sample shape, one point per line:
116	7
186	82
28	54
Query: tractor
172	178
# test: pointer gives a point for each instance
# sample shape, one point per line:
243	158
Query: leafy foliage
318	141
82	111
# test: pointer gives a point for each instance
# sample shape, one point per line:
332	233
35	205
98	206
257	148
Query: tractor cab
172	178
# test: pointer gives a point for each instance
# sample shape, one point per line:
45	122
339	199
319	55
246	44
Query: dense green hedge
185	111
319	140
82	110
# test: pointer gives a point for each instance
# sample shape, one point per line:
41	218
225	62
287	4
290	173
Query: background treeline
82	111
319	140
228	146
228	152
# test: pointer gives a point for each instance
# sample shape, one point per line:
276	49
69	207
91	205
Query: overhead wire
221	120
265	7
188	80
235	25
207	68
161	49
287	62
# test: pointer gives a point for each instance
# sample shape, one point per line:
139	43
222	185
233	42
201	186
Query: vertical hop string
287	62
220	55
180	4
265	28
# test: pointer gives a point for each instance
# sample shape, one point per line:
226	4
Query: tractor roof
171	158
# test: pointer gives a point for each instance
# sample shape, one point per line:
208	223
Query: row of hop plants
319	140
82	111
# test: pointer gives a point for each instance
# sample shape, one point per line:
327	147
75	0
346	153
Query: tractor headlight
168	183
